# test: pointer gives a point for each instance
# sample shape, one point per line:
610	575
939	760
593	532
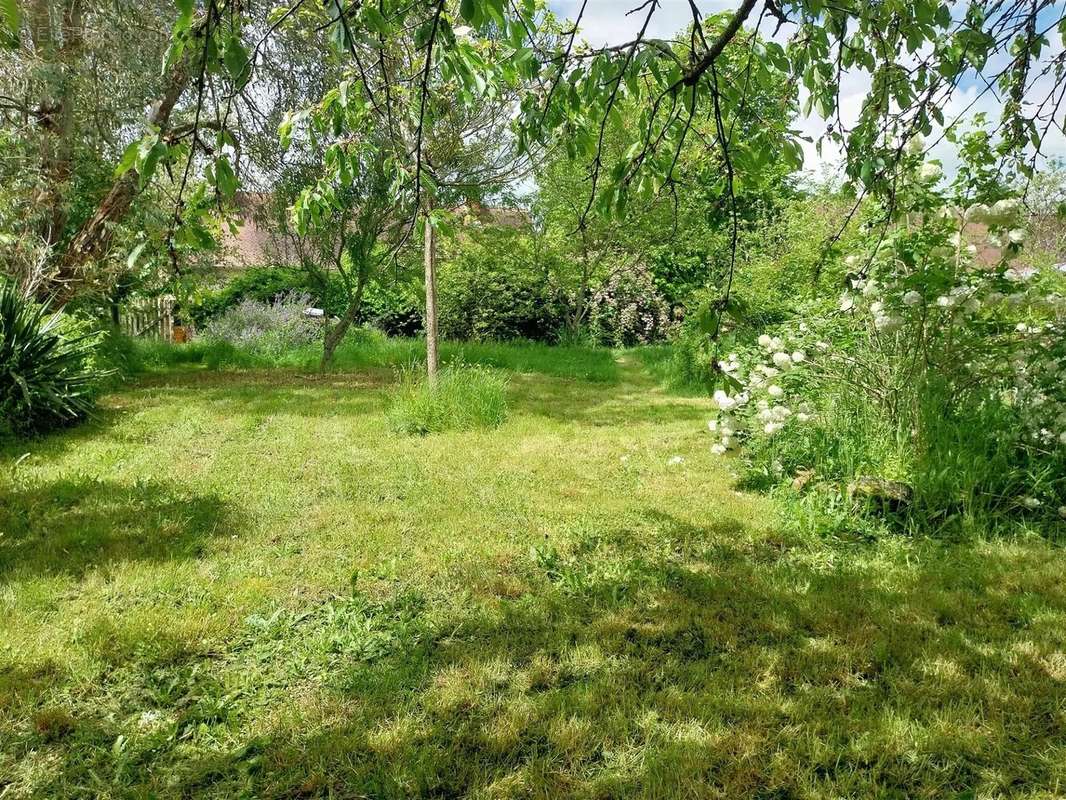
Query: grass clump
463	398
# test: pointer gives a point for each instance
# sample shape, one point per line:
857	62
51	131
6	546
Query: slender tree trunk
337	332
432	358
577	318
55	113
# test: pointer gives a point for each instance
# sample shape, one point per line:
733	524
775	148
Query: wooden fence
150	316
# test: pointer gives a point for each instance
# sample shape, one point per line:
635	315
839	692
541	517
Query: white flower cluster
760	405
1001	214
924	304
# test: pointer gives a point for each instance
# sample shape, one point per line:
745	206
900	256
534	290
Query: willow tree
73	86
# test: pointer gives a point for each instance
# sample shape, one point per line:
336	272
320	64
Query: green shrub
49	375
393	306
464	398
491	289
265	285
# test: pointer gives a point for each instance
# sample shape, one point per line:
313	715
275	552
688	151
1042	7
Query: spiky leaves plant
46	377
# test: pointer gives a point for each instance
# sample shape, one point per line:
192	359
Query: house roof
258	240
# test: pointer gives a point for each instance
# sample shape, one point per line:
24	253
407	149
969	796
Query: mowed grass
243	584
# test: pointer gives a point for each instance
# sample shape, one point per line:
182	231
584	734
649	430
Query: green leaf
10	11
150	161
225	180
339	35
195	235
469	9
135	253
731	382
185	7
375	20
237	62
129	158
707	319
866	174
285	131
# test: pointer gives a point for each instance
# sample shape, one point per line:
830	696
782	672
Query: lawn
244	584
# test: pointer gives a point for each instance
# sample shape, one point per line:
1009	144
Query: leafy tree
916	55
72	86
419	68
432	116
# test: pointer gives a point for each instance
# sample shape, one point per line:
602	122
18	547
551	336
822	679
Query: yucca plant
46	379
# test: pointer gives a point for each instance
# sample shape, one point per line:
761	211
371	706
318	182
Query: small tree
434	115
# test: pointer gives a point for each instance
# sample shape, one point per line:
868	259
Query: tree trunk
55	113
93	240
432	358
337	332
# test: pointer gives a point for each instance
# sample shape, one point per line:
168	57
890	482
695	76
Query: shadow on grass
72	525
54	443
706	667
260	393
665	660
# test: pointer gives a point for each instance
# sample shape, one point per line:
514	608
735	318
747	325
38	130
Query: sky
606	22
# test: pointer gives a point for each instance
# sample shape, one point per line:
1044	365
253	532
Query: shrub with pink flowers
628	310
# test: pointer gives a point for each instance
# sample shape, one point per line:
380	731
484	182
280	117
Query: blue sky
606	22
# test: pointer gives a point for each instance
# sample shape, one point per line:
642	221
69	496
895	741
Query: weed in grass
463	398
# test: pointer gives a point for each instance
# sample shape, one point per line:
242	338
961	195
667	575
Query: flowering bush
266	328
628	310
763	402
954	348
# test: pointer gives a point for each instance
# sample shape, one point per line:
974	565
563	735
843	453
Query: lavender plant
266	328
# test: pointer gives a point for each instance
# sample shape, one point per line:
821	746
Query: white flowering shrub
766	398
945	342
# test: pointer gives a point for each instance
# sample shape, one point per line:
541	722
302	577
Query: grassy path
242	584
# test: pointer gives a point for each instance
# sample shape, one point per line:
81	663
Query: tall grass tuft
464	398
